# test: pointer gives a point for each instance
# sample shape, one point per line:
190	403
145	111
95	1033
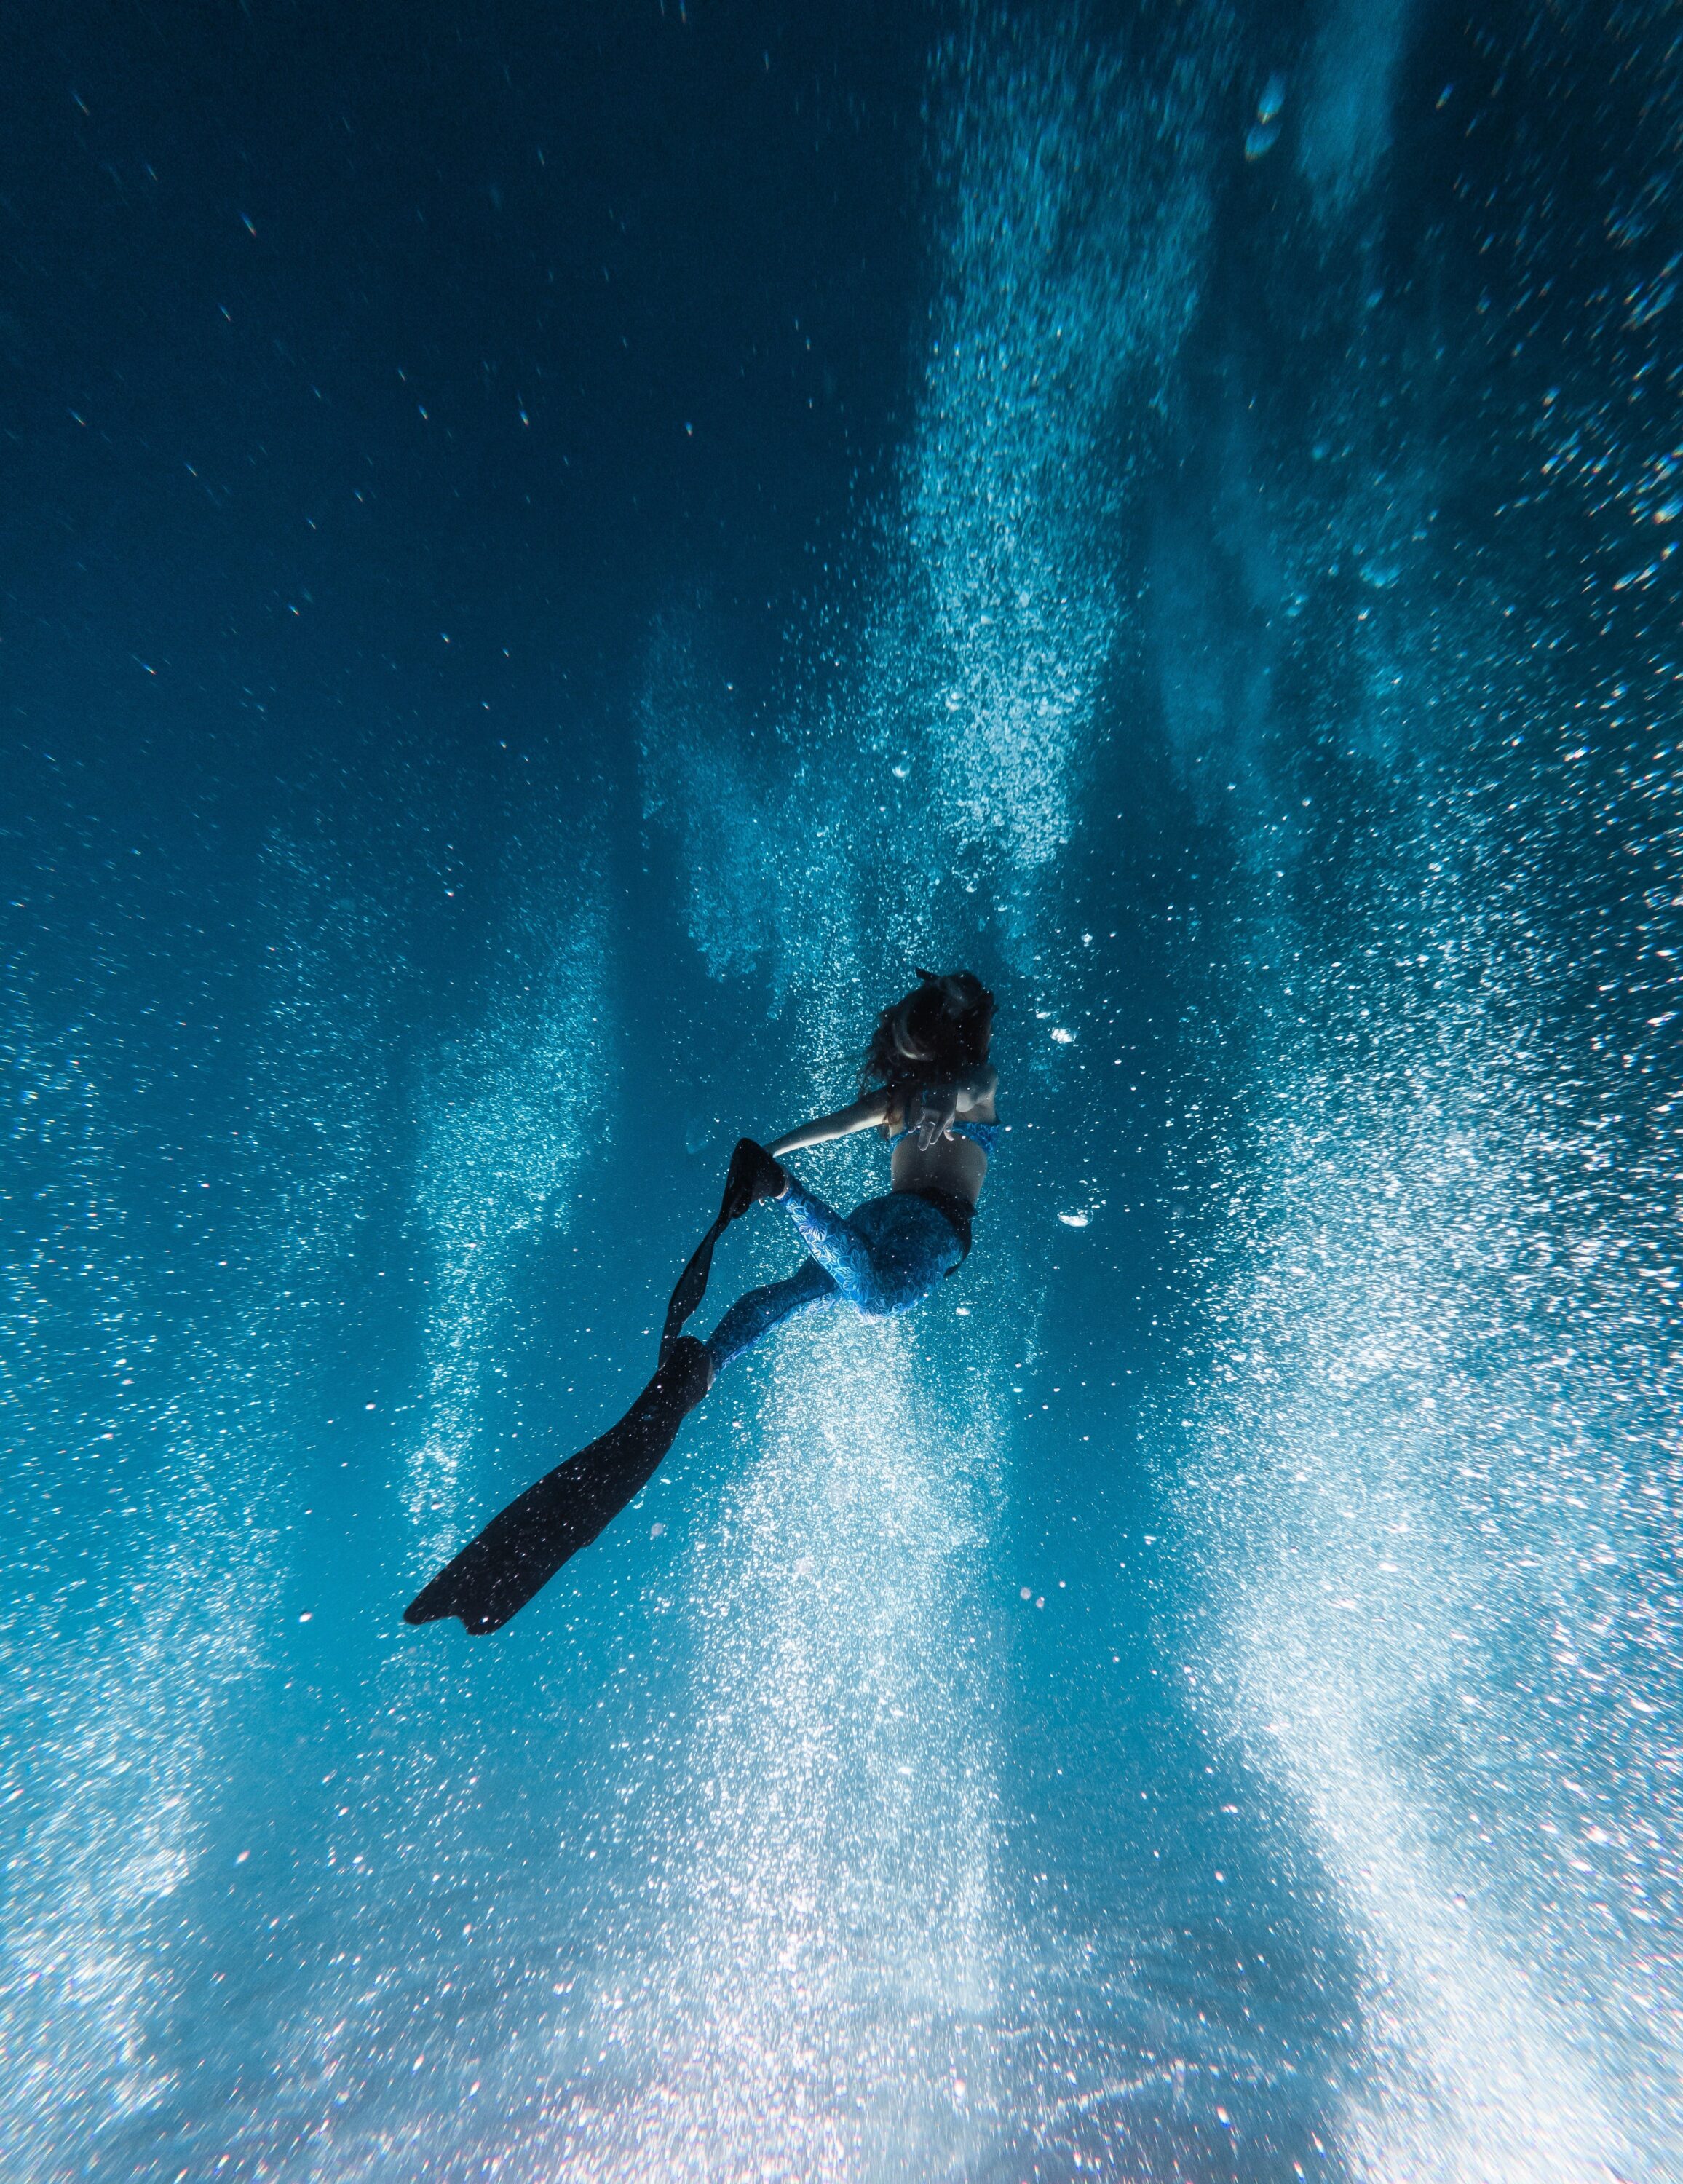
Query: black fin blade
523	1545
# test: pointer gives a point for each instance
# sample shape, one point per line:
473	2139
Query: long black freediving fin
522	1547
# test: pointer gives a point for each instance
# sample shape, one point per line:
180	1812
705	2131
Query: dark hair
939	1030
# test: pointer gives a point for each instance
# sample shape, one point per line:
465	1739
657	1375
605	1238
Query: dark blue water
548	557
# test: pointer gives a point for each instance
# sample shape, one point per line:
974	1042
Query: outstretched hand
937	1110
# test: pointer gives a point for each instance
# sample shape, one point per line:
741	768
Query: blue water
548	557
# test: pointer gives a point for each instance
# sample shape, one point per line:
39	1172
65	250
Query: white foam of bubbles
510	1122
935	786
1434	1497
1474	2080
120	1726
107	1835
772	866
1076	215
814	1994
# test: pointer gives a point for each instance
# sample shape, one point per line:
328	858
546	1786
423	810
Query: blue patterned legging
883	1259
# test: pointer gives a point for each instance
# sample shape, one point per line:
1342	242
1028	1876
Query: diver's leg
841	1249
809	1290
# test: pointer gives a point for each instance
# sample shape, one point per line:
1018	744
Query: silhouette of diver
928	1086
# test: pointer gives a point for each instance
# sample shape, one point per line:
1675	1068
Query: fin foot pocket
753	1175
523	1545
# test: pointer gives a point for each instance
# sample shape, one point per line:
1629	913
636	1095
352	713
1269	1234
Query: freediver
928	1086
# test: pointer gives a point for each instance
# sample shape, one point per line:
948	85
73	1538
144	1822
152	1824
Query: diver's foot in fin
695	1373
522	1547
753	1175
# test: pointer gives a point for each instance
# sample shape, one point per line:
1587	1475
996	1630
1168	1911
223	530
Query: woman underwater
928	1086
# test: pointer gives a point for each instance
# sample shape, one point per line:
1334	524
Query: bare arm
863	1115
966	1095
